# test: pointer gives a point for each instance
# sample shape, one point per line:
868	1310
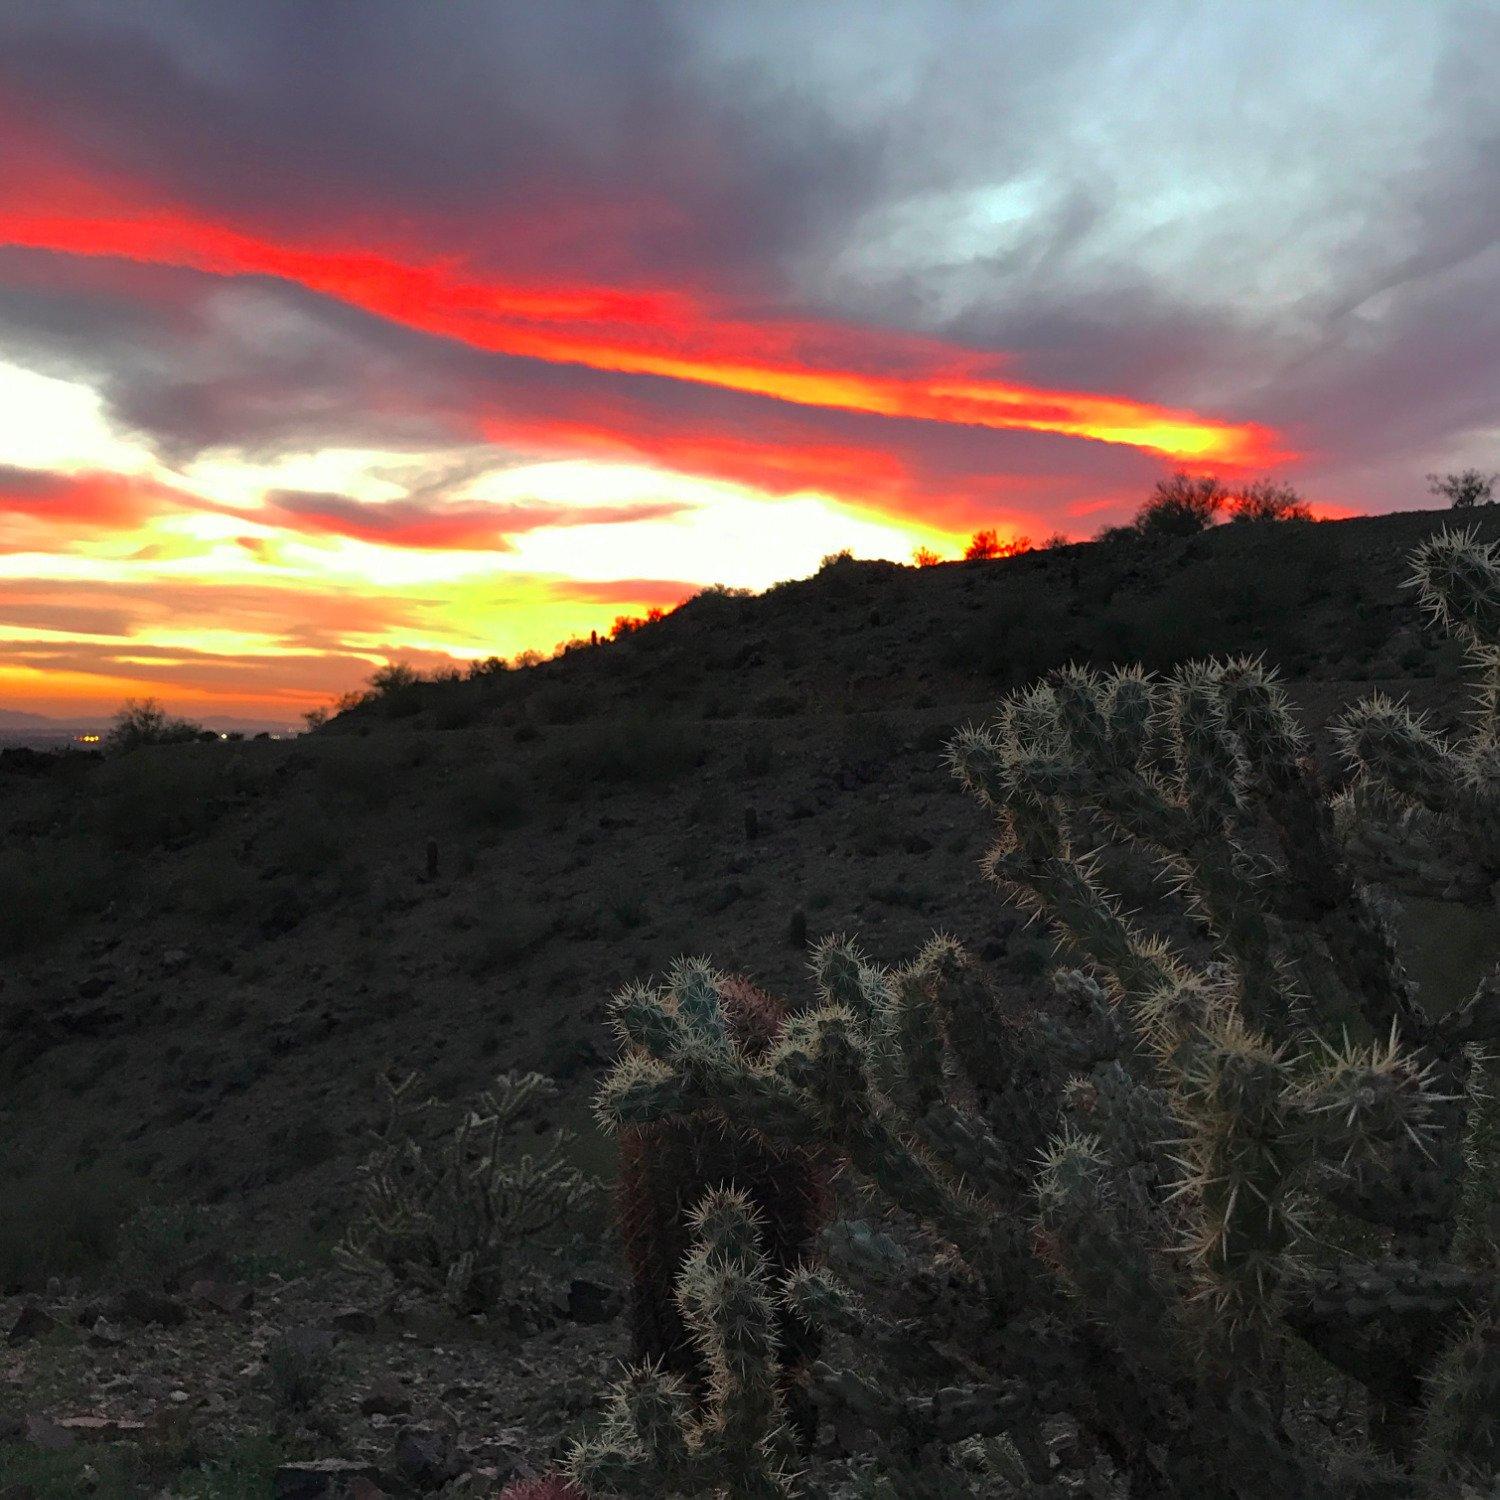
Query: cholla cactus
1271	1144
666	1168
1424	811
453	1217
654	1441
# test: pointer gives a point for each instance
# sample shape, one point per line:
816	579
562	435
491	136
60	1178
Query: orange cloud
658	333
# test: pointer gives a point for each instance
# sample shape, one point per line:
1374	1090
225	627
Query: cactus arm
1477	1019
1360	1315
1358	939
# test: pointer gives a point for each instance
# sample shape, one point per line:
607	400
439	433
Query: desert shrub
632	750
143	721
925	557
1219	1179
168	1460
168	794
1268	500
1026	630
298	1367
458	710
456	1217
490	796
397	690
1181	505
159	1242
48	886
867	741
60	1223
1466	488
305	842
505	935
348	770
566	703
984	544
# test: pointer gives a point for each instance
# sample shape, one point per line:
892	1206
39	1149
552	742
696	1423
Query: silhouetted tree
1465	488
143	721
982	544
394	677
1182	505
925	557
1268	500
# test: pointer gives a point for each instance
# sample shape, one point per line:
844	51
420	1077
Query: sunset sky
337	333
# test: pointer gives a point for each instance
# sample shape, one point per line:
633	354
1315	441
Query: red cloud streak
660	333
92	501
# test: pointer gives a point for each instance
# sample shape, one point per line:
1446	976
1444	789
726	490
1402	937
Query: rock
592	1301
43	1432
353	1320
31	1323
174	959
140	1305
104	1335
385	1398
100	1429
361	1488
425	1458
316	1477
226	1297
95	985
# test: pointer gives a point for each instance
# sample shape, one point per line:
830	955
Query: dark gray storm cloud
1271	211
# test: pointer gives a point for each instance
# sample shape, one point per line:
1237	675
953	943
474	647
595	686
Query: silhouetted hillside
211	949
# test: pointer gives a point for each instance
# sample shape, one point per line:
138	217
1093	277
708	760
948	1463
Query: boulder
424	1458
139	1305
31	1323
591	1301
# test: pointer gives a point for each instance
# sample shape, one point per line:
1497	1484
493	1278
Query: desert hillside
211	950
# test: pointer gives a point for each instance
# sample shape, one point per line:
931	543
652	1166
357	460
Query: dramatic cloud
460	329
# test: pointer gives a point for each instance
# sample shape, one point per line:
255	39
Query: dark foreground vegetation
1186	1188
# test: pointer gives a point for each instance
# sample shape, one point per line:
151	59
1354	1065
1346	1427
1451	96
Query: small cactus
734	1440
666	1168
454	1217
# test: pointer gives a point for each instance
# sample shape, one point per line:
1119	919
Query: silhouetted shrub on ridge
1466	488
143	721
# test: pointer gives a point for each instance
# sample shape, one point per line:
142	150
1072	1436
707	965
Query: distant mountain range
18	724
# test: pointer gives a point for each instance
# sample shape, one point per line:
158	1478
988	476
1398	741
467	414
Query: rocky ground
297	1374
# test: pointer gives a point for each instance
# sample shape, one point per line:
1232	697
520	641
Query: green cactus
1424	811
667	1167
655	1440
1274	1168
457	1217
